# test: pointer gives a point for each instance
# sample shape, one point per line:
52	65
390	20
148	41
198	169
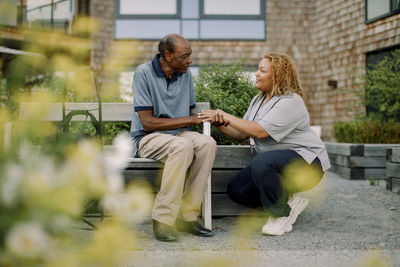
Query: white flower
27	240
141	203
41	178
29	154
134	206
123	145
47	173
116	203
116	160
10	185
85	164
60	222
115	181
122	149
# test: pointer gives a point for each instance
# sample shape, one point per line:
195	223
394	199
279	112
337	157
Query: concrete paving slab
347	223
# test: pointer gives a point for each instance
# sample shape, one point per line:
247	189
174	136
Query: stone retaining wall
393	170
358	161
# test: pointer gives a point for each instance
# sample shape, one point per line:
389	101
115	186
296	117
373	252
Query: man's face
180	60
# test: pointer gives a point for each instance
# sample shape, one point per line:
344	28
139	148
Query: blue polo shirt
168	98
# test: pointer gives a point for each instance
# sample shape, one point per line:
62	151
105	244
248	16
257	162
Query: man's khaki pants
179	196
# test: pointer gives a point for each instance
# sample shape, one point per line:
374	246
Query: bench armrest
206	207
207	128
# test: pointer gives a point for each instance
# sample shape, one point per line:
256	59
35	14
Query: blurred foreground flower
374	258
41	198
300	176
28	240
116	160
44	191
10	185
132	206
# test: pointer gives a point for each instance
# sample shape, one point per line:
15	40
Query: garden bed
393	170
359	161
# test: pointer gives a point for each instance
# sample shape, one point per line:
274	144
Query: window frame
21	17
385	15
203	16
118	15
199	19
52	6
370	61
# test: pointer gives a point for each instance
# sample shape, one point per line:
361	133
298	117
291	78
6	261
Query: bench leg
206	208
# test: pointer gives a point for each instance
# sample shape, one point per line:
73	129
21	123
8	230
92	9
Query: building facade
326	38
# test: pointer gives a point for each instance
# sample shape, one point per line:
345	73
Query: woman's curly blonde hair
285	77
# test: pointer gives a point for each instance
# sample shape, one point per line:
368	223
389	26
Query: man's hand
195	119
151	123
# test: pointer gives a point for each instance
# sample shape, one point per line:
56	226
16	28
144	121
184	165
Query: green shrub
383	88
367	130
227	88
382	97
109	129
112	129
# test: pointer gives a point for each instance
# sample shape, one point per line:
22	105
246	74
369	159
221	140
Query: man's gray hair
167	43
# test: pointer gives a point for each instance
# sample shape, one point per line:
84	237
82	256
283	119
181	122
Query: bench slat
118	112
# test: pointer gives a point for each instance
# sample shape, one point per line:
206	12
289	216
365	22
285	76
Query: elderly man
163	99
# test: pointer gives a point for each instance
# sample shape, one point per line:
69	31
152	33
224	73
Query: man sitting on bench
163	99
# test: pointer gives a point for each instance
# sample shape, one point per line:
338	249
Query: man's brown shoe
194	228
164	232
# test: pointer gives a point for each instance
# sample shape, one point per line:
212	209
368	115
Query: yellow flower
109	245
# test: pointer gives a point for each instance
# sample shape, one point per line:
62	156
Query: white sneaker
277	226
297	204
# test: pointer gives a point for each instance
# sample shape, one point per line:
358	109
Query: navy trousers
261	184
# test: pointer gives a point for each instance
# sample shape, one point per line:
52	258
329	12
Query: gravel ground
347	223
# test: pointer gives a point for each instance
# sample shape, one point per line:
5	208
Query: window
194	19
49	13
140	8
231	7
8	12
378	9
40	13
373	58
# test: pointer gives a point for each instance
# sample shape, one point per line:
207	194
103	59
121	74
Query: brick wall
103	12
340	40
326	38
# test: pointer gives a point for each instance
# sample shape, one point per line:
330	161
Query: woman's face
264	80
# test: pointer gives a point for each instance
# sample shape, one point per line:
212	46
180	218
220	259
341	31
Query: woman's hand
216	117
220	118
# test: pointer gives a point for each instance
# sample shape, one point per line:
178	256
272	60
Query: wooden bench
111	112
